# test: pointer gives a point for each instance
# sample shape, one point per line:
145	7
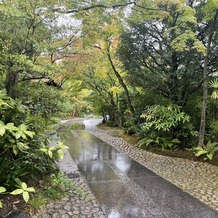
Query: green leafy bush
165	125
20	154
214	128
41	99
67	107
25	154
164	143
207	151
130	125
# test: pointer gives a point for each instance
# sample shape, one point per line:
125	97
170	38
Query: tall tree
30	30
210	20
159	51
104	84
104	35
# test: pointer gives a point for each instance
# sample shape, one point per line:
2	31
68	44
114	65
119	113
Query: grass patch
38	200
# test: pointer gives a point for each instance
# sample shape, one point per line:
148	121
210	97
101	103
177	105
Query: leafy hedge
21	153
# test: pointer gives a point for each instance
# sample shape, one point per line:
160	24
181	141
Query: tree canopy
149	67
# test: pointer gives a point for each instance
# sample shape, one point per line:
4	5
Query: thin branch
62	81
101	6
98	47
32	78
54	59
70	41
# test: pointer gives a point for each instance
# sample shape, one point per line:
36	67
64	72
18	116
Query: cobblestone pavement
198	179
77	204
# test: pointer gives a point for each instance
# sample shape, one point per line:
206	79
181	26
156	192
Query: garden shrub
20	154
167	126
207	151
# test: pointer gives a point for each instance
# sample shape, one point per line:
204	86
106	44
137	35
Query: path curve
197	179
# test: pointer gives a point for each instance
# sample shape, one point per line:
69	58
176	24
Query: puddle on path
125	188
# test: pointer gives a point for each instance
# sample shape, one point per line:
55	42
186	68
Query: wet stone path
122	186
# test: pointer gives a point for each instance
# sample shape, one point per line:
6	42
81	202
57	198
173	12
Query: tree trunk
10	82
120	79
204	104
115	111
174	79
205	84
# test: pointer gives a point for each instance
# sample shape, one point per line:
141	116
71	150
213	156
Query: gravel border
82	204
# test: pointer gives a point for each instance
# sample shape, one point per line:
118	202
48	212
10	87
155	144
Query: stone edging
196	178
74	205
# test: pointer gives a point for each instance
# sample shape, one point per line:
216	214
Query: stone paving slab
82	204
112	178
196	178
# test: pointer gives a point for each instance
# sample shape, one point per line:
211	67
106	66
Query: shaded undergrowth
179	153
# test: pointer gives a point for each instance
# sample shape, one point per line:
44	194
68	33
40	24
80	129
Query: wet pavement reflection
125	188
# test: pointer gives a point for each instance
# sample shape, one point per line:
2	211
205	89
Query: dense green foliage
21	156
146	66
155	55
167	126
31	95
